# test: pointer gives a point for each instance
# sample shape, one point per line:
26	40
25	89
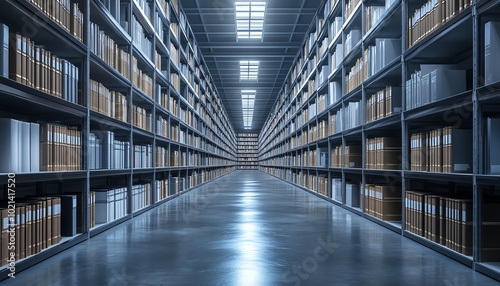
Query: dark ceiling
214	25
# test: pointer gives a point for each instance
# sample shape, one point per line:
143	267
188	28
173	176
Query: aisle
249	228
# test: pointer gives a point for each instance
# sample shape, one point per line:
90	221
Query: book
4	50
9	153
491	48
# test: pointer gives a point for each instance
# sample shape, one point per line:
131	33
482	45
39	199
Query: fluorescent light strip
248	105
250	19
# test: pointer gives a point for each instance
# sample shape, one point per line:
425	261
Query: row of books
140	196
140	39
336	27
335	92
31	65
352	115
162	157
335	124
323	48
175	81
433	83
384	103
141	118
355	76
145	8
162	190
350	7
432	15
107	49
336	157
105	152
118	10
61	148
141	79
317	184
143	156
351	155
162	127
174	53
372	15
442	219
381	54
110	103
337	57
351	40
110	205
383	153
36	223
318	132
66	14
157	60
20	146
383	202
447	150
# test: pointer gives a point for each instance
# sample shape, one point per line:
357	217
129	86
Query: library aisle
249	228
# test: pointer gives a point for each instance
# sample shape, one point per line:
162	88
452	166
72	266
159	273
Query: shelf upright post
404	124
476	143
131	117
86	124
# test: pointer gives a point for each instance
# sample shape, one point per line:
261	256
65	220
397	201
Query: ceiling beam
239	55
231	9
252	45
225	25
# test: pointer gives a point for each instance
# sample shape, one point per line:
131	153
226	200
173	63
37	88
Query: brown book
27	245
48	72
56	220
24	60
45	147
28	62
15	58
37	70
4	251
449	223
466	231
427	214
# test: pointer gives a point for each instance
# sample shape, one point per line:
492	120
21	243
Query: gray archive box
446	83
491	52
68	215
492	141
352	195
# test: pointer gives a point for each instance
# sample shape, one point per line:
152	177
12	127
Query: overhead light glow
248	105
250	19
249	70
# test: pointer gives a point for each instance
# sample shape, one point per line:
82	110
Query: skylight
250	19
248	104
249	70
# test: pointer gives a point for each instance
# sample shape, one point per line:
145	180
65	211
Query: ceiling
214	25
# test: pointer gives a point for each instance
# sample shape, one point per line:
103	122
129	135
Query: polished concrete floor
249	228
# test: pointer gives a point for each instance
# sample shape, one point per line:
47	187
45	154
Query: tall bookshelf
116	101
248	151
390	110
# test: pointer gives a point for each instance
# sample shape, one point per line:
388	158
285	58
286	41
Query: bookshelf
248	151
402	127
116	113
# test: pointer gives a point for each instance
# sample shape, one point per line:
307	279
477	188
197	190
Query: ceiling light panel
250	19
248	105
249	70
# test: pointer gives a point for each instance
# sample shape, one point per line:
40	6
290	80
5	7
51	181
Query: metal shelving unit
205	139
458	40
